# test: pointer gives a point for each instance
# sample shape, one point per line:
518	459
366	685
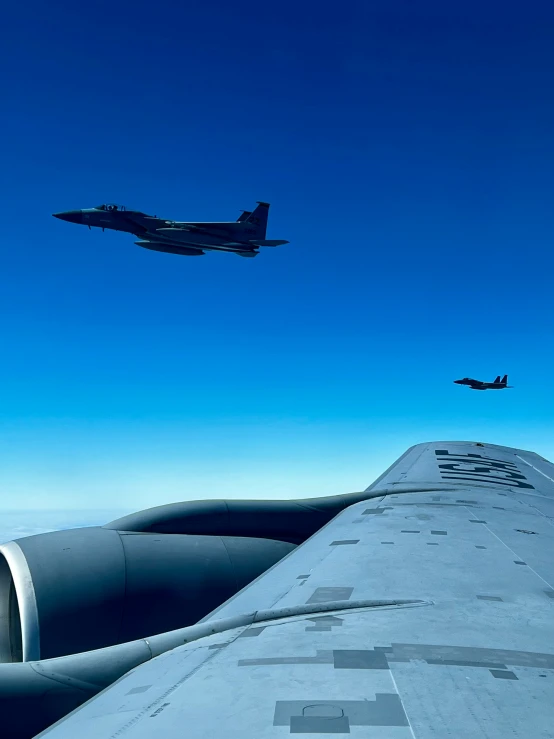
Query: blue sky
407	152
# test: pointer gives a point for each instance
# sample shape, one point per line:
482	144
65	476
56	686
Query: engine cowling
83	589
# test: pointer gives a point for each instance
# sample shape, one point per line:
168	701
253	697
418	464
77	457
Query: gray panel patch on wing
385	710
376	511
360	659
504	674
465	663
489	597
322	657
438	654
439	533
139	689
252	631
344	541
320	718
319	725
328	620
324	595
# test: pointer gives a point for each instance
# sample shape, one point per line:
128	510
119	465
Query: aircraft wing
268	242
425	612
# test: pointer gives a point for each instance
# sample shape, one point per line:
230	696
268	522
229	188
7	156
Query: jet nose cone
72	216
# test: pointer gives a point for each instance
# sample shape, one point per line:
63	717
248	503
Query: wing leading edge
424	612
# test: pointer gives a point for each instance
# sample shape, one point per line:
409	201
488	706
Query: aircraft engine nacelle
83	589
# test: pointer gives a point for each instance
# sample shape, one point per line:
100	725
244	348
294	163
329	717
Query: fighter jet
243	236
498	384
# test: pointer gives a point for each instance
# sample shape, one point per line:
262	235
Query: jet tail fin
244	216
505	380
256	222
497	380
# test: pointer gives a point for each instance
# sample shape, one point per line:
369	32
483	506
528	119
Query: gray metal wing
425	612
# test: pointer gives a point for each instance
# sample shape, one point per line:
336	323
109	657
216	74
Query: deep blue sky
407	151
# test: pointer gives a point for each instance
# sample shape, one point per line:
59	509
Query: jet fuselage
243	237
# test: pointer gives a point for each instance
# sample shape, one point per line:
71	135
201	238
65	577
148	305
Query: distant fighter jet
498	384
242	237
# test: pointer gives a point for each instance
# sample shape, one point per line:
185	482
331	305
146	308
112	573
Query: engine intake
84	589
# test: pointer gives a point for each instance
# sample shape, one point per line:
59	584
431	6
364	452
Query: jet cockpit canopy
109	206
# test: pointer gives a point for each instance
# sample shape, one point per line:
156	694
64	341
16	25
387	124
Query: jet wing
268	242
413	614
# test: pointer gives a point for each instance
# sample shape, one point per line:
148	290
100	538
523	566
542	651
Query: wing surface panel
475	658
481	464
